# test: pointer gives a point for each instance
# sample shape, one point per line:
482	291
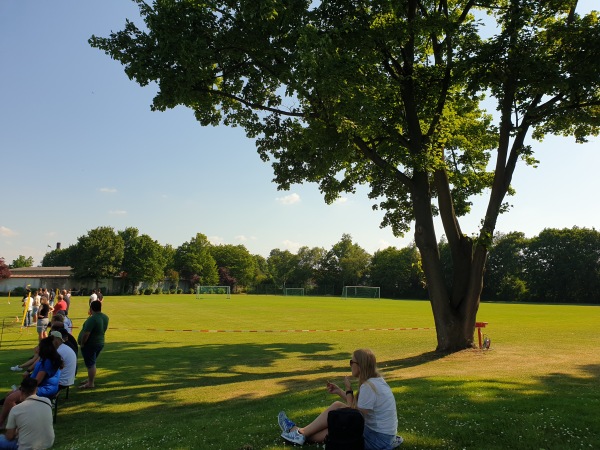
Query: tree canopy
22	261
98	254
385	94
4	270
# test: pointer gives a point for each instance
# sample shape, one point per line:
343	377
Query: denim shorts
90	353
377	441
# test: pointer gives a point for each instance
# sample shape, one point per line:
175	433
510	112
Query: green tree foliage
4	270
144	260
309	265
194	259
504	277
564	266
22	261
237	260
98	254
385	94
262	270
60	257
398	272
282	266
346	264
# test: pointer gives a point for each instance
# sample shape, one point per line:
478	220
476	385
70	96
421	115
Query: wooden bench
54	401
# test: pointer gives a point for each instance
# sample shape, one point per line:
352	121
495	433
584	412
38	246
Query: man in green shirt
91	341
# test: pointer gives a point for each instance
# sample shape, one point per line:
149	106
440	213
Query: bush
180	291
148	291
173	291
158	291
192	291
18	292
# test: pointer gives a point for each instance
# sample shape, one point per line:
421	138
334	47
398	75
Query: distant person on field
100	295
60	305
36	305
43	317
93	297
67	297
374	399
91	341
28	306
29	424
63	319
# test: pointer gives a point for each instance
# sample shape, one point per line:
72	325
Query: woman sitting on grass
374	400
46	372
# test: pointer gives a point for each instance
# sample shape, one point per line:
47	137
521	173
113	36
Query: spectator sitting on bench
30	363
67	374
46	372
29	423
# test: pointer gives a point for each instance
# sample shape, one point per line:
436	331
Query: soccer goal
294	291
213	291
360	292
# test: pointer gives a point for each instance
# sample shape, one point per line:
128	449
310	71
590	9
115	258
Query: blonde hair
366	361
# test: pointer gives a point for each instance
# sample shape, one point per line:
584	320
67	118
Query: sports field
182	373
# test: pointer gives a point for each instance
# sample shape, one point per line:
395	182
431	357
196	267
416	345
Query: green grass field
160	386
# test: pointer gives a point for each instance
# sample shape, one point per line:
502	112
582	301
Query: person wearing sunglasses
374	399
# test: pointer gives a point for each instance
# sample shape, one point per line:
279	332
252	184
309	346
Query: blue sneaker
284	423
397	442
294	437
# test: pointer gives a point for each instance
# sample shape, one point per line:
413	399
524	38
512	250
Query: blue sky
80	148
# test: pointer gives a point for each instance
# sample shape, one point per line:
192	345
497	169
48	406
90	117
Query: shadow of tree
161	396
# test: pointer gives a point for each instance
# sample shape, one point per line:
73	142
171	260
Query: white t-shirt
93	298
67	374
33	420
377	399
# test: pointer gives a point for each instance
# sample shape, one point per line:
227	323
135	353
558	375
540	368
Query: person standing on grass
43	317
93	297
91	341
29	424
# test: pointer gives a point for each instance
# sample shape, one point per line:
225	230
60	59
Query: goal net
360	292
293	291
213	291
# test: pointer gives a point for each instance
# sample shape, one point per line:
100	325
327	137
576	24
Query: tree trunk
454	312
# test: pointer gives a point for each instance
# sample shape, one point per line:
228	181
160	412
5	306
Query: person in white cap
67	375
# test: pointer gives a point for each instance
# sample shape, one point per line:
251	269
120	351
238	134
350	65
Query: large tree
144	260
238	261
98	254
385	94
564	265
22	261
346	264
193	260
397	272
4	270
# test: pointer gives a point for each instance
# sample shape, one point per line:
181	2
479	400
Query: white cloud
340	200
117	212
291	246
288	199
215	240
108	190
51	234
7	232
242	238
383	244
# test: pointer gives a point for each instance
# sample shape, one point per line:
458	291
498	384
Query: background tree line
554	266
